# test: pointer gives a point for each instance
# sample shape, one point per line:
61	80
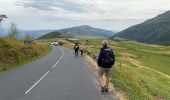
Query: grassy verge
14	53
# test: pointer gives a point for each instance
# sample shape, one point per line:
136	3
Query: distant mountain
153	31
87	30
34	34
81	31
3	32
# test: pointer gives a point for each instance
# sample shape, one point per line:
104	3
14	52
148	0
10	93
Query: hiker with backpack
105	61
82	48
76	49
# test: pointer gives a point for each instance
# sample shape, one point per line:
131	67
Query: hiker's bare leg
101	82
107	81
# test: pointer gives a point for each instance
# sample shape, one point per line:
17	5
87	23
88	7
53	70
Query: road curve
57	76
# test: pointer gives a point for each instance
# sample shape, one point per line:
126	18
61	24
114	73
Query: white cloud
99	13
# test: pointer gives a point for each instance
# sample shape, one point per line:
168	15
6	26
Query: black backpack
108	58
76	47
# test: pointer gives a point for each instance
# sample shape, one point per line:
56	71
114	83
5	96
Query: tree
2	17
13	31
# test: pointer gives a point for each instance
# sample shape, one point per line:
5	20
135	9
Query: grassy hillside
13	52
153	31
141	71
55	34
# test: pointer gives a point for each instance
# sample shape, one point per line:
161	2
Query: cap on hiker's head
105	42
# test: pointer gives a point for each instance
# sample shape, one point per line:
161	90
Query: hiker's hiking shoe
106	89
102	89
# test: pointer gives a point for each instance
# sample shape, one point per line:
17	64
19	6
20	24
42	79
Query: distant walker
82	48
76	49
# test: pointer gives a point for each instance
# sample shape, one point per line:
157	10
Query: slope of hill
13	52
80	31
54	34
153	31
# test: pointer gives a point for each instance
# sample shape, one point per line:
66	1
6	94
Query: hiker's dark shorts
104	71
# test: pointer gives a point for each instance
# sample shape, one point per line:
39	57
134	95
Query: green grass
14	53
153	57
138	83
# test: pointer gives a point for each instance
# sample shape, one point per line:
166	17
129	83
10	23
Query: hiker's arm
99	58
113	56
74	46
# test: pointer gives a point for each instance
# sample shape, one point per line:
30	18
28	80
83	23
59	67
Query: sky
113	15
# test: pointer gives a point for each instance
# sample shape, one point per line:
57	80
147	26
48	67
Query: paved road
57	76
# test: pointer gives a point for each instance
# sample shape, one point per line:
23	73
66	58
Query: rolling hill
54	34
79	31
153	31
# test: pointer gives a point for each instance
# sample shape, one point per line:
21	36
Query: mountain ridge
82	31
153	31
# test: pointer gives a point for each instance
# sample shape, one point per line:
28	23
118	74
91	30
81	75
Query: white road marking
56	63
59	59
36	83
45	74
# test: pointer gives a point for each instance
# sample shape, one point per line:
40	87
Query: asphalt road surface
57	76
